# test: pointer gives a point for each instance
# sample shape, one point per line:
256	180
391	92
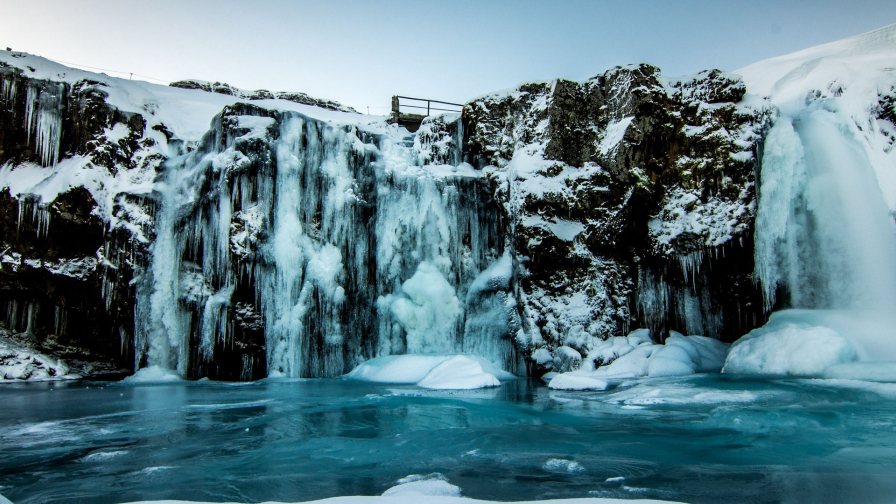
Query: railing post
427	107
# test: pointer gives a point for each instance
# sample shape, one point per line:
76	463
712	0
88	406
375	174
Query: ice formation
825	236
318	246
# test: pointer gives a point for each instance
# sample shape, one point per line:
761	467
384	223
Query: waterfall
825	239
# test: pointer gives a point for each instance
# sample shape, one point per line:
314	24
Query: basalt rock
633	198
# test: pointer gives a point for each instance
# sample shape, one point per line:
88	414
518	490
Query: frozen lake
706	438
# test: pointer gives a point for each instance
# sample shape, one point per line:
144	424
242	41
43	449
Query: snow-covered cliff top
186	112
867	60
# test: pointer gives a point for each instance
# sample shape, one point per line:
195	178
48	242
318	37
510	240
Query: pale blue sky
362	52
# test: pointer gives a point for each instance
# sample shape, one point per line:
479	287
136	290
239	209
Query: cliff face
68	259
633	198
555	215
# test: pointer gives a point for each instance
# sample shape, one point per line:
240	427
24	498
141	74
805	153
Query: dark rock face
261	94
66	270
633	199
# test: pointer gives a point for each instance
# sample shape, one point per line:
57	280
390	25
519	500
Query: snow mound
807	342
459	373
396	368
432	371
635	356
790	349
430	485
153	374
573	381
19	363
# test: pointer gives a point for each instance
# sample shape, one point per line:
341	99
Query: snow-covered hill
857	76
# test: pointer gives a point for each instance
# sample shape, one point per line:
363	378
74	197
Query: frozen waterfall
320	246
825	247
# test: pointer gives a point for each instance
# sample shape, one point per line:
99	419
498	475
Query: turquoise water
709	438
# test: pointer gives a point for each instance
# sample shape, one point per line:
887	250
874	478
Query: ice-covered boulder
636	356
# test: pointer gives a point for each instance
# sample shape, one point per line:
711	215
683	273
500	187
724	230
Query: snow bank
444	372
789	349
185	112
808	342
153	374
436	499
20	363
636	356
459	372
416	486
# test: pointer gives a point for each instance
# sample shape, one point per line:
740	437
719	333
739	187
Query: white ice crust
442	372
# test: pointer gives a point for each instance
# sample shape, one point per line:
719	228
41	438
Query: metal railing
417	104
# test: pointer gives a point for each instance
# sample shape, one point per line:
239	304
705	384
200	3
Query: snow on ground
416	486
435	489
443	372
636	356
18	362
437	499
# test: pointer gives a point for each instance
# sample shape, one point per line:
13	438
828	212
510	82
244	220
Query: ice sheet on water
865	371
677	392
562	465
103	456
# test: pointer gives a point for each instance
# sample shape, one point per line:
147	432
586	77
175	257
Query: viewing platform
411	120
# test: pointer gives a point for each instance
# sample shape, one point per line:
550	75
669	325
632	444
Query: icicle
690	264
8	92
43	120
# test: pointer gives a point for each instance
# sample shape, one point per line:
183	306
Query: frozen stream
707	438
